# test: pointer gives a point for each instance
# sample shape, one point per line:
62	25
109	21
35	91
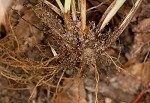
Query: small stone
108	100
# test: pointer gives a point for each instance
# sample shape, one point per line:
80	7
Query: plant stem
74	16
67	13
83	15
67	5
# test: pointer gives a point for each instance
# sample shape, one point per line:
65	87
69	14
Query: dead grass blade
110	12
60	5
124	24
54	8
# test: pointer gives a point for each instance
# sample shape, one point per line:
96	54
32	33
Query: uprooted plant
81	45
76	46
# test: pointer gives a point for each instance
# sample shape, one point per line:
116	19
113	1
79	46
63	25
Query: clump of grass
81	46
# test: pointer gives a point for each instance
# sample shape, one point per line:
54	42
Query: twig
97	77
139	96
95	7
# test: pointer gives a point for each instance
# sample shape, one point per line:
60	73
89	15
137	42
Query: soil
44	61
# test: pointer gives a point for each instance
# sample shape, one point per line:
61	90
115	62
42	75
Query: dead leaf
3	8
140	71
27	35
146	73
73	92
143	26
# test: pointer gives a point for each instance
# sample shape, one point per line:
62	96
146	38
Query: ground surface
29	73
